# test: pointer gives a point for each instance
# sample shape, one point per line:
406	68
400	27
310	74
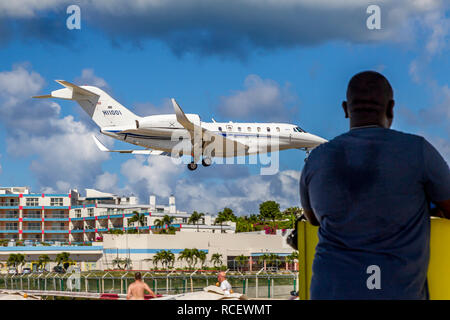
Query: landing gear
206	162
307	154
192	166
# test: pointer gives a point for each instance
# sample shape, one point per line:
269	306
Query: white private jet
164	134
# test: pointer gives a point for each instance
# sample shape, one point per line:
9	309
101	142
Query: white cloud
230	28
19	84
147	109
88	78
62	150
152	175
243	195
106	182
260	98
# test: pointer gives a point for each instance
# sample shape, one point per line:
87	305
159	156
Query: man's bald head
221	276
370	100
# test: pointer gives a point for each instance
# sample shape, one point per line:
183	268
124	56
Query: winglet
181	116
100	145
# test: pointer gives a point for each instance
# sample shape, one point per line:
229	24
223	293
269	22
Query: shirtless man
137	288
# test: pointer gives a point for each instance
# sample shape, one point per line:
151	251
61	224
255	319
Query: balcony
9	204
32	216
32	228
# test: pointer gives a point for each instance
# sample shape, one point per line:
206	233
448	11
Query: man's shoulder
345	137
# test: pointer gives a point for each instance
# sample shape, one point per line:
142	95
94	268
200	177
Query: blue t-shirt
370	190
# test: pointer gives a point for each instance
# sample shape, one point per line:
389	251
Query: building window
12	214
58	226
33	226
55	202
78	213
34	214
11	226
32	202
58	214
90	212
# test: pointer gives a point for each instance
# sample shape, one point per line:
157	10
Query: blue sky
143	55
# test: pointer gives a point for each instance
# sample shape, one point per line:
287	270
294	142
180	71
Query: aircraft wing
208	136
103	148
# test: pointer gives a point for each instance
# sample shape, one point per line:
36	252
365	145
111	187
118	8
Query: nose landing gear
192	166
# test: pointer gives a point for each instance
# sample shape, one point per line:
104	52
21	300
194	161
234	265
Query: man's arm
129	294
309	214
304	199
436	180
147	288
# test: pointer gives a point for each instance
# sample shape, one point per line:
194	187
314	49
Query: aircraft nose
318	140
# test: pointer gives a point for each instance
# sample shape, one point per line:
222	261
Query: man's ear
344	106
390	109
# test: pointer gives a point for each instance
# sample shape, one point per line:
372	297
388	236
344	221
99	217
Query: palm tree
167	258
216	259
12	260
264	258
292	214
220	220
127	263
117	262
195	218
15	260
201	255
292	257
188	255
139	218
42	261
241	261
63	258
165	221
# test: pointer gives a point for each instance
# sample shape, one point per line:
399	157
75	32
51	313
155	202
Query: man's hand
147	288
309	214
442	209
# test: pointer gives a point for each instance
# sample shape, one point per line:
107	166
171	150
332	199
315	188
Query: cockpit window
298	129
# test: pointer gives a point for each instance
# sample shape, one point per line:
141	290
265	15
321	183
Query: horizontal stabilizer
103	148
70	92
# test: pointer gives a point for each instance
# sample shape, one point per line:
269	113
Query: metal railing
259	285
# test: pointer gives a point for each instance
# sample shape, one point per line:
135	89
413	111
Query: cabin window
239	129
249	129
229	128
268	129
258	129
278	129
220	128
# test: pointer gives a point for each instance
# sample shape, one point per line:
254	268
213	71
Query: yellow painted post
307	241
438	269
301	260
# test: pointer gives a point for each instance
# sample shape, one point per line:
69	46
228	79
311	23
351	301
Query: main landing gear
206	162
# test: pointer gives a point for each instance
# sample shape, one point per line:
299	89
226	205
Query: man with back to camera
370	190
136	290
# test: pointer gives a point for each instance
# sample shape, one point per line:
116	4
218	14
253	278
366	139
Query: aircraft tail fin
102	108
